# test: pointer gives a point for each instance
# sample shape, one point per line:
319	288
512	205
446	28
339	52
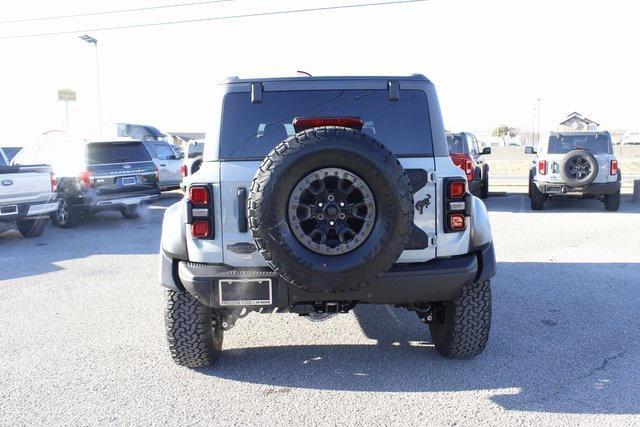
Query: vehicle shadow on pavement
104	233
563	344
520	203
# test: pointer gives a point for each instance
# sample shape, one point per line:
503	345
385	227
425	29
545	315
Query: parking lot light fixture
87	38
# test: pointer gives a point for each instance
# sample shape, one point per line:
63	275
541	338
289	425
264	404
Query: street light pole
94	41
533	129
539	120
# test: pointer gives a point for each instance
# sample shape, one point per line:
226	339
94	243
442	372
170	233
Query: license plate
242	292
554	189
129	180
8	210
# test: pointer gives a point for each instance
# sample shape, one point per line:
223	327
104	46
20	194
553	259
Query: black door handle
243	224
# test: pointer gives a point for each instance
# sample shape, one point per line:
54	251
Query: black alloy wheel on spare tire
578	168
331	209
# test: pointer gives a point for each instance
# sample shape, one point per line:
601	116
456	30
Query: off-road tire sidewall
572	182
193	340
312	150
464	331
537	197
484	189
612	201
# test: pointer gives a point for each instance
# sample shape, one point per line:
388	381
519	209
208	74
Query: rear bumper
127	201
114	201
436	280
28	210
559	189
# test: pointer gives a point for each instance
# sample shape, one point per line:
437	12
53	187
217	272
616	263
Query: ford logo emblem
126	166
6	182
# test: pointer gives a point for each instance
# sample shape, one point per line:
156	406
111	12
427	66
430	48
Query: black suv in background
115	175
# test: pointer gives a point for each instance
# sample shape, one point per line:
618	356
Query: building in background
577	122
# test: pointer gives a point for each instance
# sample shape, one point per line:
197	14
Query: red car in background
465	153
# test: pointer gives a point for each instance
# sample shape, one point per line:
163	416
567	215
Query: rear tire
66	216
31	227
194	340
131	212
612	201
537	198
462	330
484	189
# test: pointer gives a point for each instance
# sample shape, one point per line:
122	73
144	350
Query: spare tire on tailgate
578	168
331	209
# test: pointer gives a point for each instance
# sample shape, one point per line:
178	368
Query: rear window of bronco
117	152
596	142
251	130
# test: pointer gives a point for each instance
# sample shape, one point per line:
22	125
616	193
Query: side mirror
172	157
529	150
486	150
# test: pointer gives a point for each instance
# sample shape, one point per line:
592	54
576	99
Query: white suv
317	194
575	164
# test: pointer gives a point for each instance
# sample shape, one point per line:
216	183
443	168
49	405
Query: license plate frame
245	292
129	180
8	210
554	189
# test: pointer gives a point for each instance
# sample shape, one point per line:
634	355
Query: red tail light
613	167
455	205
468	167
201	212
457	221
542	167
199	195
54	183
86	178
200	229
183	170
156	172
457	189
302	123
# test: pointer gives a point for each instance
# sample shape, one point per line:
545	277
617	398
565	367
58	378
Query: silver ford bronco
578	165
320	193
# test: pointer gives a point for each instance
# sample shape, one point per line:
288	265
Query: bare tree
503	131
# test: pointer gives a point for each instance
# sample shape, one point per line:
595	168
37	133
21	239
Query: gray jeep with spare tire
320	193
578	165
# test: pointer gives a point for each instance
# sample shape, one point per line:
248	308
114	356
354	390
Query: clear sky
489	59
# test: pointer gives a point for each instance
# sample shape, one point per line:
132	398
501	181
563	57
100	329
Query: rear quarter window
116	152
2	162
456	143
251	130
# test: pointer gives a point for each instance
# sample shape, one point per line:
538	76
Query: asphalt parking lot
82	337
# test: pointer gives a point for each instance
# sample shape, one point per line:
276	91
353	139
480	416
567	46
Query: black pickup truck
116	175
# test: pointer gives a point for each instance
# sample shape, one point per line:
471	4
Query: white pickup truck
27	196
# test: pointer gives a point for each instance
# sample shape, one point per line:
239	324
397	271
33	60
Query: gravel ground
82	337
